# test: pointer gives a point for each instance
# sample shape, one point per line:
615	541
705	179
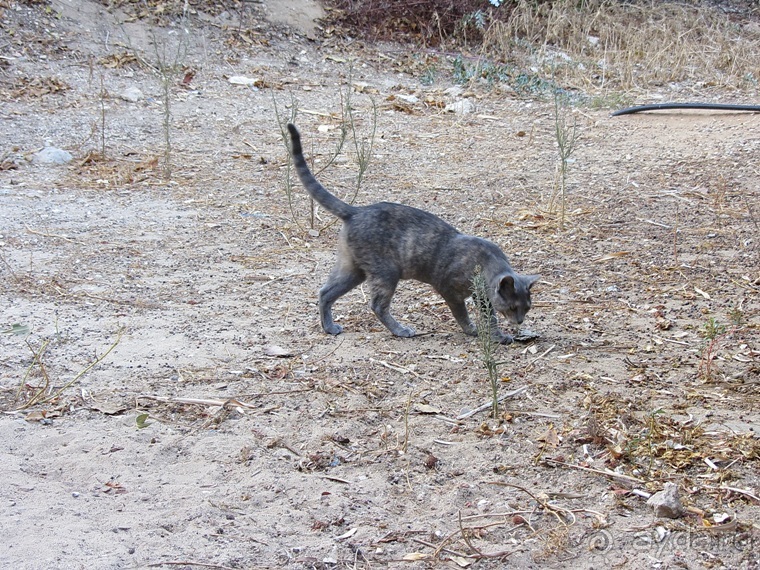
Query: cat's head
512	296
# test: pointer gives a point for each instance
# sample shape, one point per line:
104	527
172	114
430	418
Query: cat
386	242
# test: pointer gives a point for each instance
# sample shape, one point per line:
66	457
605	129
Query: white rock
409	98
462	107
243	80
666	503
52	155
131	94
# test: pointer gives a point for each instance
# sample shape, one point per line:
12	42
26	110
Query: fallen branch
606	472
189	563
543	502
37	399
43	234
489	405
737	490
395	367
199	401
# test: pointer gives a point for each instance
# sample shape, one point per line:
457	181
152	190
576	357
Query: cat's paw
470	330
502	337
405	332
333	329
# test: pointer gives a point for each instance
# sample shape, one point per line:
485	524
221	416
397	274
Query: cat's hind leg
343	278
382	289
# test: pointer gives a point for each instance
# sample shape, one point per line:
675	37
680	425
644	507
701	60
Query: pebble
243	80
52	155
132	94
666	503
462	107
409	98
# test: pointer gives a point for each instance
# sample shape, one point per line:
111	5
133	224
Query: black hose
712	106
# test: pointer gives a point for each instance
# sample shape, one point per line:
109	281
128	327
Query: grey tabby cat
384	243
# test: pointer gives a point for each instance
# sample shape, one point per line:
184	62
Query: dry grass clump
589	44
429	22
607	43
656	443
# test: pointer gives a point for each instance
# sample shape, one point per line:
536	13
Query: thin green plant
653	430
484	317
566	135
712	331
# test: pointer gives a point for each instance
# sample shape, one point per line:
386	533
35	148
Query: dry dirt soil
169	399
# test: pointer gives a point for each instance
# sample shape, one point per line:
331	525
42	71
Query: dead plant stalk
347	126
566	136
168	68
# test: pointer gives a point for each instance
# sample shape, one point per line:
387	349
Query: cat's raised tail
331	203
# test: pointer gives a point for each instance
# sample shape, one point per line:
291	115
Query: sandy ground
171	400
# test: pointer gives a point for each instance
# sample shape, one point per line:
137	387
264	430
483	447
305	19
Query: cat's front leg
383	313
497	334
459	310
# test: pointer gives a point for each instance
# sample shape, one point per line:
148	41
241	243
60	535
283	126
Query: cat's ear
507	282
531	279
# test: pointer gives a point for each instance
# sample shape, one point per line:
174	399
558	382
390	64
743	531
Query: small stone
412	99
666	503
462	107
132	95
245	81
52	155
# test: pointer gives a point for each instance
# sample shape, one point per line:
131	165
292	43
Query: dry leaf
108	408
704	294
346	535
550	437
36	416
414	556
610	256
